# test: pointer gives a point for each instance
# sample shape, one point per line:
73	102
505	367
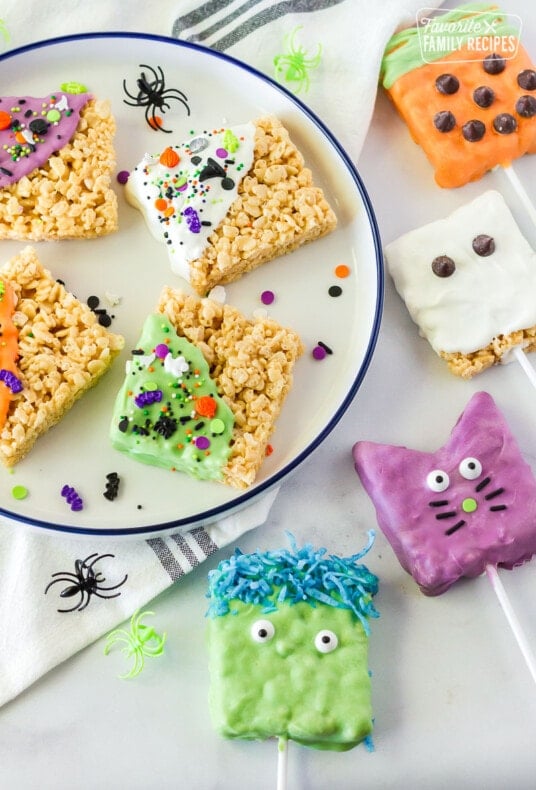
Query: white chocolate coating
485	296
151	180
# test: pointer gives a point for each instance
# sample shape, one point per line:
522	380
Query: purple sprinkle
202	443
221	153
10	380
147	398
192	219
161	351
319	352
267	297
122	176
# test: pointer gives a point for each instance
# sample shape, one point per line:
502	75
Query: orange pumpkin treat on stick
469	96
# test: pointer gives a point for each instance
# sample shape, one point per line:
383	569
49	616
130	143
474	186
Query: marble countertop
453	701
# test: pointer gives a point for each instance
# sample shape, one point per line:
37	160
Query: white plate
131	264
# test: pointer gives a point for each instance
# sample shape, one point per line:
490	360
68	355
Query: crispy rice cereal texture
251	364
70	196
468	365
63	351
277	209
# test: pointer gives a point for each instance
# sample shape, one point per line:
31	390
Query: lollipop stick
282	753
513	178
521	357
513	622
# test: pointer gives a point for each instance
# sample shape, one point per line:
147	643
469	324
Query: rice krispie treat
56	162
54	350
468	281
228	200
203	389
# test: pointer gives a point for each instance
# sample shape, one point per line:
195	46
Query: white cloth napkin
345	40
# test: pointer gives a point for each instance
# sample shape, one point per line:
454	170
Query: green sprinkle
19	492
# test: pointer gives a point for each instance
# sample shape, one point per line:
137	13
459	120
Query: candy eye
470	468
326	641
437	480
262	631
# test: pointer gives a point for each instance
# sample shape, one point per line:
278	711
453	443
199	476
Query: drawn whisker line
493	494
448	514
455	527
438	503
494	508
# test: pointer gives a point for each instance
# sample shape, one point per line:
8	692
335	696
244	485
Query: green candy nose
469	505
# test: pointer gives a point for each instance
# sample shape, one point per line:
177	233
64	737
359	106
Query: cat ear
480	423
387	471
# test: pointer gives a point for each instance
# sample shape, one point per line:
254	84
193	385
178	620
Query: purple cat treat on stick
466	509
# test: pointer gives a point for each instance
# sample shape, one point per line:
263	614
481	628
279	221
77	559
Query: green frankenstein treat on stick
288	640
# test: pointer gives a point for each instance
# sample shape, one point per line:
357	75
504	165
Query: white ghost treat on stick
469	283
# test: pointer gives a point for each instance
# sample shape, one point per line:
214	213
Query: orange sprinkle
156	122
169	211
160	204
5	120
205	406
342	270
20	138
269	449
150	369
169	157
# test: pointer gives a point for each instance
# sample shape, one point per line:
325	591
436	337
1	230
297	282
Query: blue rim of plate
248	497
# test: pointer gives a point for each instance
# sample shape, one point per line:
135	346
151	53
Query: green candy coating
284	687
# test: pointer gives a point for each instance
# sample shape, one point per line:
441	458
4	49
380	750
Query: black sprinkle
335	290
327	349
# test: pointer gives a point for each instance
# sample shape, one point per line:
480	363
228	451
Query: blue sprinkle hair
304	574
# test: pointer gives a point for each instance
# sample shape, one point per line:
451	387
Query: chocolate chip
444	121
527	80
505	123
494	64
38	126
447	83
484	245
473	131
443	266
526	106
483	96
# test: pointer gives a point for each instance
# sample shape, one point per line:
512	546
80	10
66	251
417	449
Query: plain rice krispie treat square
198	363
69	196
63	351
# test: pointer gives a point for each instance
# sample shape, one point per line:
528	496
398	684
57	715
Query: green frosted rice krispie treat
288	641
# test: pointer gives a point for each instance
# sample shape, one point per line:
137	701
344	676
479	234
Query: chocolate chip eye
447	83
483	96
505	123
526	106
473	131
484	245
326	641
437	481
262	631
444	121
527	80
493	64
470	468
443	266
